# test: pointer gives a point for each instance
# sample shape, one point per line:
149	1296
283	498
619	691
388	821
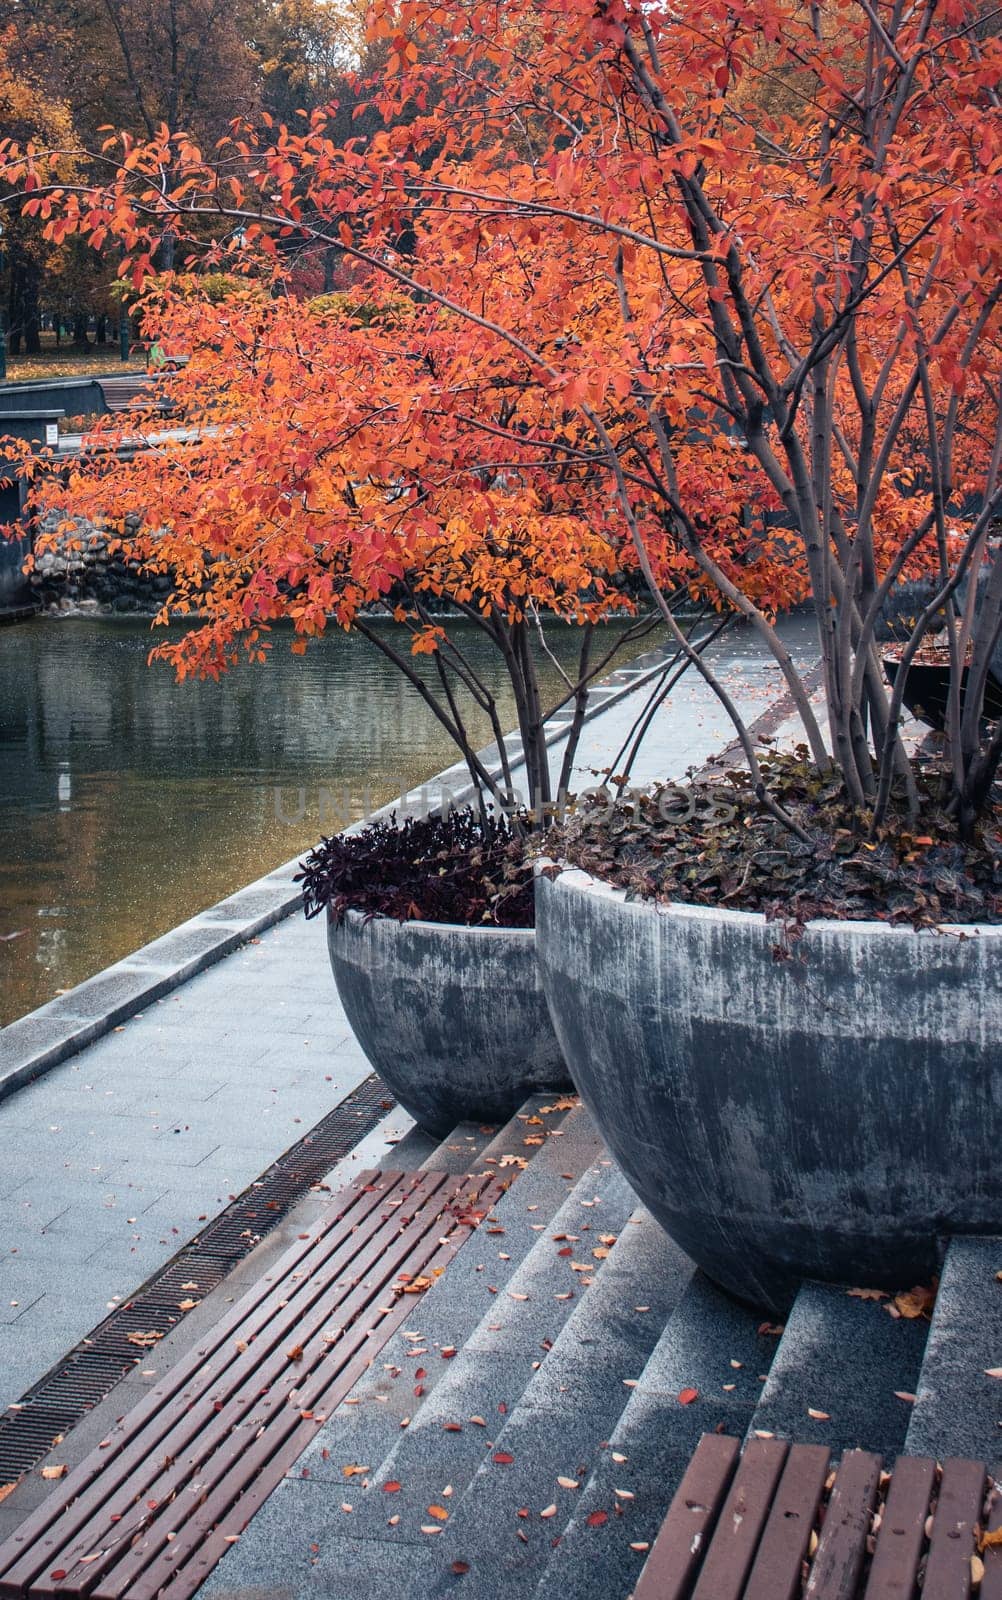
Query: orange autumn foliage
713	294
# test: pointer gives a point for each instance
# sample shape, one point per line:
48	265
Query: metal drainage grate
90	1371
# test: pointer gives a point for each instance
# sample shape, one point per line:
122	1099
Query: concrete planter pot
453	1019
834	1113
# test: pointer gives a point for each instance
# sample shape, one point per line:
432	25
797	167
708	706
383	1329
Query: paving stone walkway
116	1156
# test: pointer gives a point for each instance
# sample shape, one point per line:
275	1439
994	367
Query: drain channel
90	1371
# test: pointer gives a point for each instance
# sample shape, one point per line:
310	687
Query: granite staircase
524	1432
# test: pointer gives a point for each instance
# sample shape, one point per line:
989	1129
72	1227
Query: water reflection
128	802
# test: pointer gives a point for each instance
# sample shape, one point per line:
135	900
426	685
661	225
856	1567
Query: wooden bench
161	1499
121	394
775	1523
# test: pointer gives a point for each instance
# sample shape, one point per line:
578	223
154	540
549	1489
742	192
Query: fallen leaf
867	1294
354	1471
624	1494
513	1296
6	1489
480	1421
296	1353
459	1567
439	1513
687	1396
52	1473
550	1511
819	1416
144	1340
641	1544
595	1519
391	1486
416	1286
502	1458
915	1302
187	1305
993	1372
430	1528
447	1352
189	1285
902	1394
451	1427
990	1540
771	1330
977	1571
568	1483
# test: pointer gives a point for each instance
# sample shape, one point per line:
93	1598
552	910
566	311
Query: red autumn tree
718	288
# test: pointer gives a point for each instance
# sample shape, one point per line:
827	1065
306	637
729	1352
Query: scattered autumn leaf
867	1294
52	1473
568	1483
187	1305
502	1458
439	1513
917	1302
595	1519
819	1416
990	1539
354	1471
687	1396
550	1511
391	1486
460	1567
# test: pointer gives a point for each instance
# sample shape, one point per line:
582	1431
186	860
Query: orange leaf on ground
687	1396
595	1519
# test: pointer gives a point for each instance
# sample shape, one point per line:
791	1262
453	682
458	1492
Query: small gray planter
453	1019
831	1113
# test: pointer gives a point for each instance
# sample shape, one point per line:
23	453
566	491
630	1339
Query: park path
115	1157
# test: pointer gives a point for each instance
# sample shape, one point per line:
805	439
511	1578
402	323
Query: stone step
847	1360
505	1519
958	1407
703	1375
566	1178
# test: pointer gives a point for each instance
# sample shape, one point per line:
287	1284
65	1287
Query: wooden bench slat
227	1424
739	1526
776	1574
991	1584
958	1512
680	1545
901	1537
838	1560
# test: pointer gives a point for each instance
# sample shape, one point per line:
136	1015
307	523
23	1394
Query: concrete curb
48	1036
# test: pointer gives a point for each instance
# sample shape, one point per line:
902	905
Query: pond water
128	802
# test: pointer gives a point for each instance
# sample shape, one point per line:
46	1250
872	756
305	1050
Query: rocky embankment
75	570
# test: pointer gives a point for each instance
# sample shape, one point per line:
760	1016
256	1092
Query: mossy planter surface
831	1108
453	1019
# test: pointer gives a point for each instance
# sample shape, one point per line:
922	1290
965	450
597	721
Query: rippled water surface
128	802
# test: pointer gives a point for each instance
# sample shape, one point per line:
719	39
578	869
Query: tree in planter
733	275
343	453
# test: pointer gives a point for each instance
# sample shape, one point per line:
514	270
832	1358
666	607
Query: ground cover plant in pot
718	287
430	929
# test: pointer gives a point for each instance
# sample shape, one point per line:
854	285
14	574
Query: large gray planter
831	1113
453	1019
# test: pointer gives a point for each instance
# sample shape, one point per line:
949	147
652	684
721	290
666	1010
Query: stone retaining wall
78	572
